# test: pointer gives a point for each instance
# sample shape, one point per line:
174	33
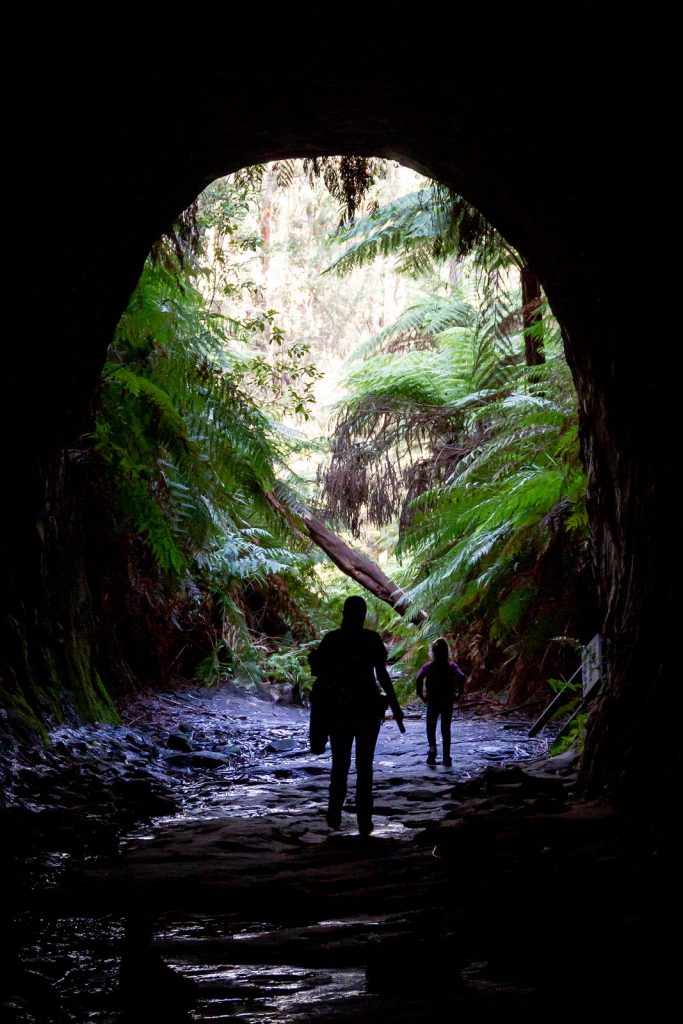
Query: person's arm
420	682
459	680
385	682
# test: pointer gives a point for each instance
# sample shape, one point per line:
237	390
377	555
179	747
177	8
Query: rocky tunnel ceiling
118	129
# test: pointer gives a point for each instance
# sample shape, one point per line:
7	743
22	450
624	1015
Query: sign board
591	665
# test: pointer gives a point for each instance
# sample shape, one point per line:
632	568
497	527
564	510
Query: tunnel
557	132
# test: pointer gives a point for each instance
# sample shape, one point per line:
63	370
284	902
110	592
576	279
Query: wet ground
238	903
240	796
269	773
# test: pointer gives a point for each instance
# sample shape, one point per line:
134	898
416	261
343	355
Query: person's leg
366	741
341	743
446	718
432	716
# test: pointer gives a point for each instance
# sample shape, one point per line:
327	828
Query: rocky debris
178	741
541	786
87	784
199	759
284	693
281	746
77	792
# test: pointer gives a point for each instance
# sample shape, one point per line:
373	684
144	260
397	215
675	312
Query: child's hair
440	651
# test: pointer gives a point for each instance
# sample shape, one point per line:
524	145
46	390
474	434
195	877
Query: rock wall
94	618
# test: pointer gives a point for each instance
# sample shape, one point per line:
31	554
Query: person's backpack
318	726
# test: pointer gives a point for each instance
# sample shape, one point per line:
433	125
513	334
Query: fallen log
355	565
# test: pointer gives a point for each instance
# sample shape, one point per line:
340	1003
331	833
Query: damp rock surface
220	892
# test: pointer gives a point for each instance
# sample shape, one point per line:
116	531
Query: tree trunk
531	317
265	228
352	563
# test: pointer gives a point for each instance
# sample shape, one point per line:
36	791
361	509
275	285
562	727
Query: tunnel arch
119	171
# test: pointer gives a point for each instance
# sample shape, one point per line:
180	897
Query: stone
198	759
280	746
176	741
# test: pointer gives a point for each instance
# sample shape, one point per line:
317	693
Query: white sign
591	665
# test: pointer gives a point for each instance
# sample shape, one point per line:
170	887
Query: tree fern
408	413
406	227
180	427
421	230
469	534
445	425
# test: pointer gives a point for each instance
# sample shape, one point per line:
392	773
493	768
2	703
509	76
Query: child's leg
446	717
432	716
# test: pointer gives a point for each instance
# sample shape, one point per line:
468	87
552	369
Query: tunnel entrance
111	176
452	404
548	217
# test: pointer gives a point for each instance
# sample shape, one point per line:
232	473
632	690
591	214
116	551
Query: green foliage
406	227
289	664
447	427
573	738
422	230
422	323
181	427
216	665
496	507
443	425
409	413
512	608
573	689
190	450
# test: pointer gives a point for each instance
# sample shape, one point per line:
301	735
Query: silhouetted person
440	682
350	663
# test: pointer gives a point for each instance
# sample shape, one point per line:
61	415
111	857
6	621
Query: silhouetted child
440	682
